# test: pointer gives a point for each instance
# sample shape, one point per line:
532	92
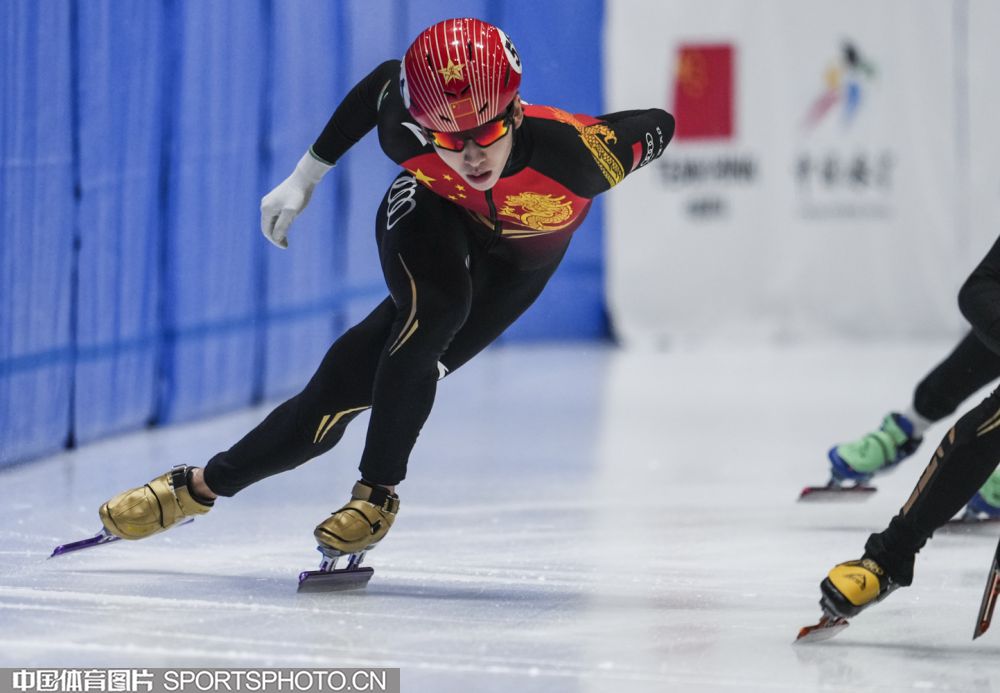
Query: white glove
280	206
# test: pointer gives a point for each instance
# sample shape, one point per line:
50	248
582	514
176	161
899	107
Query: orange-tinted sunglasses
486	134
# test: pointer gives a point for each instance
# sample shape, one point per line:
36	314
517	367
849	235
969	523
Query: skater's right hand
280	206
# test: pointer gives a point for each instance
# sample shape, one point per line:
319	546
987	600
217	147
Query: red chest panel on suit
527	203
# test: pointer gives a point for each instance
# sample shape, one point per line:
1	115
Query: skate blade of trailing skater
99	539
827	627
836	492
972	523
330	579
990	597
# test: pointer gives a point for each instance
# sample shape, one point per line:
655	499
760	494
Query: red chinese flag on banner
703	91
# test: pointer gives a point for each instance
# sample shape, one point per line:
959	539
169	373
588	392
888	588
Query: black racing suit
970	451
460	266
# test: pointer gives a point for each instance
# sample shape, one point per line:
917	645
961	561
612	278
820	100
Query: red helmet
458	74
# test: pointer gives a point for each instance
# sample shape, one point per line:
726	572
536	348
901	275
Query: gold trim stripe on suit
989	424
325	427
411	323
922	482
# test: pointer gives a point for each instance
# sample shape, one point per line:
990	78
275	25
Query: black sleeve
651	130
979	299
356	115
637	138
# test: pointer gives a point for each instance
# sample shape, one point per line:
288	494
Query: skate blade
972	525
99	539
827	627
990	597
334	580
834	493
985	616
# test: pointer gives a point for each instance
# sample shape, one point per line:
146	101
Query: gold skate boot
360	524
353	530
162	503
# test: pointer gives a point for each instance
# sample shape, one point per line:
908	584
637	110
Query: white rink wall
791	221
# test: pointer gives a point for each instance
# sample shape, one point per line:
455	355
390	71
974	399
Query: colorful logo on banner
703	92
845	82
841	177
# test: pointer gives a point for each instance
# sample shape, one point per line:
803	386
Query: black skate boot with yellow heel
853	586
164	502
849	588
351	531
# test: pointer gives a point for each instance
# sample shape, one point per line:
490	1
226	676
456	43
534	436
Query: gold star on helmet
451	71
459	187
422	177
446	177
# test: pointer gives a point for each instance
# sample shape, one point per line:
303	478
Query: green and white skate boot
875	452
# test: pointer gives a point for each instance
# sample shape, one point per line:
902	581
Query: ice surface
575	519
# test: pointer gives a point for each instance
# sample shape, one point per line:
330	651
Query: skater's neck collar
520	152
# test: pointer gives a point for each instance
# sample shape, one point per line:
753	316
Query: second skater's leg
966	457
970	366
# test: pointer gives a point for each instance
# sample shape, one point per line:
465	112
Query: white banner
813	188
981	207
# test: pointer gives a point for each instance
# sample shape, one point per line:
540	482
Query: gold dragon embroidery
538	211
592	135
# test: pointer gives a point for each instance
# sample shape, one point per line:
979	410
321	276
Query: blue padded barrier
38	214
120	133
137	140
213	88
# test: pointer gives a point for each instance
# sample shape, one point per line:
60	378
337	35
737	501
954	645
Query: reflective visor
484	135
